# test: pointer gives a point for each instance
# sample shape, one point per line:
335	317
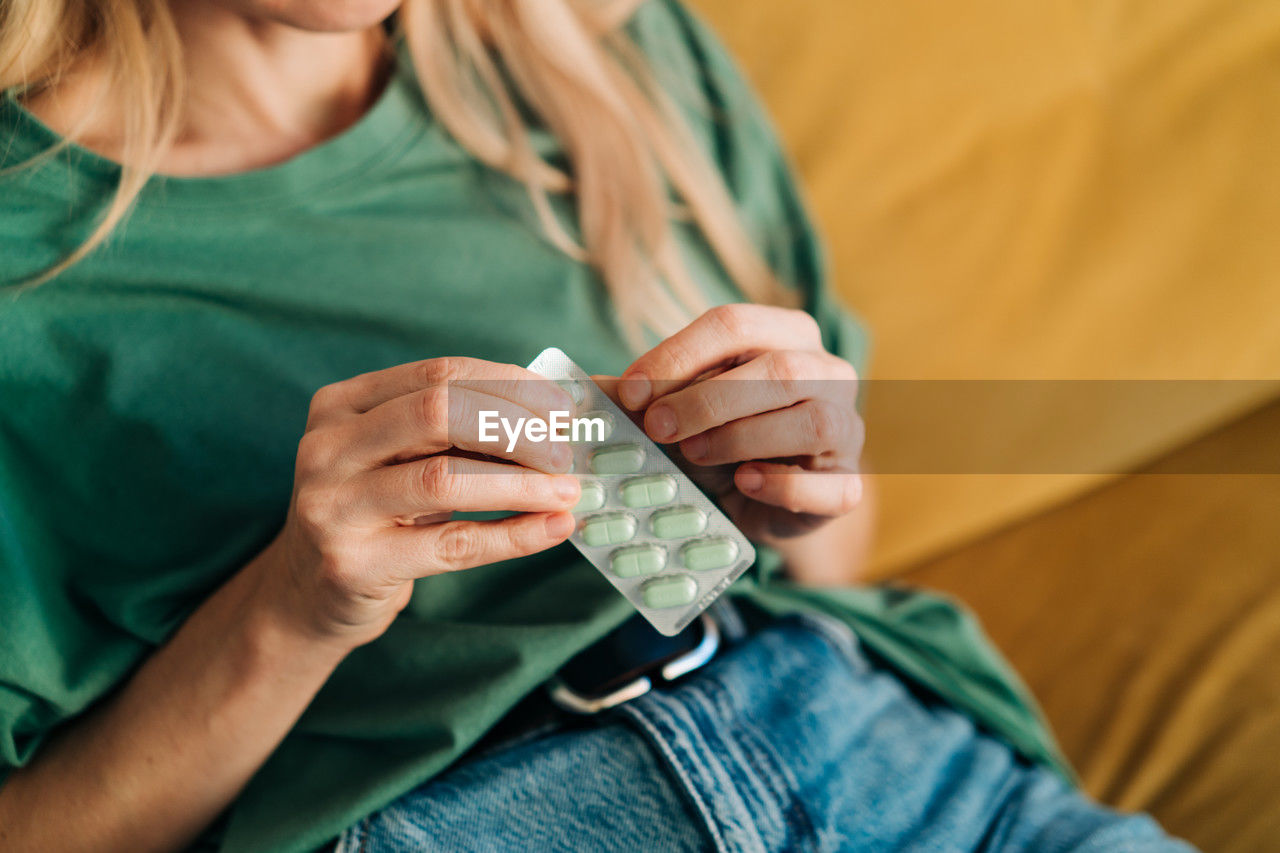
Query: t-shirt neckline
397	116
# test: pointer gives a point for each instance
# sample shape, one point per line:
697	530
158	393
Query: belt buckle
568	699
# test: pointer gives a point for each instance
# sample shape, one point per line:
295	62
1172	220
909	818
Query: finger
827	493
438	418
609	385
439	484
720	336
774	380
417	552
367	391
809	428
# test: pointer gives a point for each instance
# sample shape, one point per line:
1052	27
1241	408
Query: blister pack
644	524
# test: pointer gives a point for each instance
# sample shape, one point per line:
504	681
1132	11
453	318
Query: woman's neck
257	93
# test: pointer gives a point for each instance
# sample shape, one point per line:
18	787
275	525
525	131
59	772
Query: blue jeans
791	740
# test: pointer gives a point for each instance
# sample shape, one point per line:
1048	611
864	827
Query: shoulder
33	225
684	50
41	199
694	68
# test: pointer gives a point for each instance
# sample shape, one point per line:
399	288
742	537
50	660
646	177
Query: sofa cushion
1145	616
1059	189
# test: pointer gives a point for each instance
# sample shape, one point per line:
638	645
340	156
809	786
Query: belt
625	664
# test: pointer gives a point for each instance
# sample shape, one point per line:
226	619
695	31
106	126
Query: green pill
617	459
669	592
638	560
678	522
612	528
708	554
648	491
592	498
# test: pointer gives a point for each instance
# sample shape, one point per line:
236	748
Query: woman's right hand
385	459
378	475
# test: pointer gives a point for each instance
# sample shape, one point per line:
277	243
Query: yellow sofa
1073	190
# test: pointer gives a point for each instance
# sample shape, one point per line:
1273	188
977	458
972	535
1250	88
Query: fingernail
634	390
566	488
662	422
561	457
559	525
750	479
695	448
573	392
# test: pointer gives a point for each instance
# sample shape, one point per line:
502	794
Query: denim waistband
737	734
793	739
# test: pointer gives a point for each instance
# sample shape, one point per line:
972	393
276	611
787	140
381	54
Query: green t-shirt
152	397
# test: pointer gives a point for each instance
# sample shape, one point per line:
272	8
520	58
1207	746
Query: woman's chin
323	16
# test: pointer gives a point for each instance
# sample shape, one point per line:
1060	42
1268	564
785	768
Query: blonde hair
635	167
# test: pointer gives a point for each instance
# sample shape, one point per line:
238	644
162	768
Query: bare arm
374	490
161	758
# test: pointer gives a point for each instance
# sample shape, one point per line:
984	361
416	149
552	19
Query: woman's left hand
765	417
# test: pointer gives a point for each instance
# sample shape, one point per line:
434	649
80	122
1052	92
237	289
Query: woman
214	208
